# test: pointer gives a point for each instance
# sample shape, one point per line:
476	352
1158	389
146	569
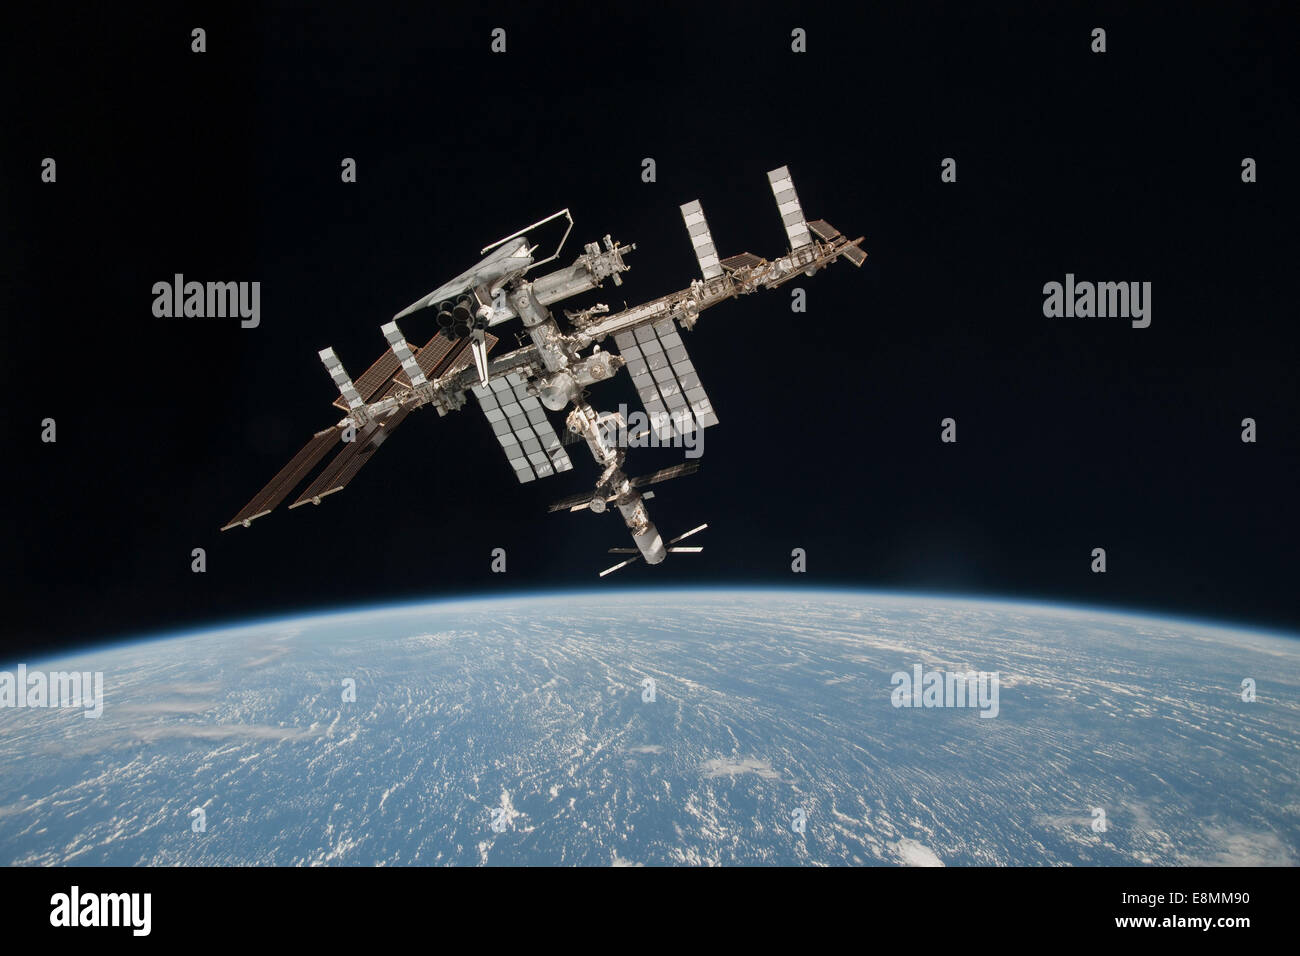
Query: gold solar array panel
373	379
278	488
349	471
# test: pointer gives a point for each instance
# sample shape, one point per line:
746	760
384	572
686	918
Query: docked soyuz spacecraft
516	389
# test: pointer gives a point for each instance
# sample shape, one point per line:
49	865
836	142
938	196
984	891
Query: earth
527	731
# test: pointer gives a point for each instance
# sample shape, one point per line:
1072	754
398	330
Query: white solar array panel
522	428
701	239
341	378
787	203
397	343
665	379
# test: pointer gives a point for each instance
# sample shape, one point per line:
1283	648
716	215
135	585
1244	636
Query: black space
1073	433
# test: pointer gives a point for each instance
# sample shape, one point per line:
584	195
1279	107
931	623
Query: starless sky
1072	433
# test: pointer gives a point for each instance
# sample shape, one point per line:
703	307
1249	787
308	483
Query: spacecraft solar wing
828	233
520	424
333	365
621	564
701	239
354	463
744	260
573	502
787	203
345	465
397	343
373	378
434	358
663	474
665	379
687	534
288	477
824	230
583	499
855	255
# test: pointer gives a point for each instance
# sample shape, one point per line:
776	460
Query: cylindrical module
651	545
644	532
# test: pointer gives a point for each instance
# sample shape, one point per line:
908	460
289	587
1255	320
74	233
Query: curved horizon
1127	613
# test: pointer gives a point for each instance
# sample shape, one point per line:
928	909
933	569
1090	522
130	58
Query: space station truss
550	362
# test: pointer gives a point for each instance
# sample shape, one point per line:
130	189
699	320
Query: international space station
554	371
